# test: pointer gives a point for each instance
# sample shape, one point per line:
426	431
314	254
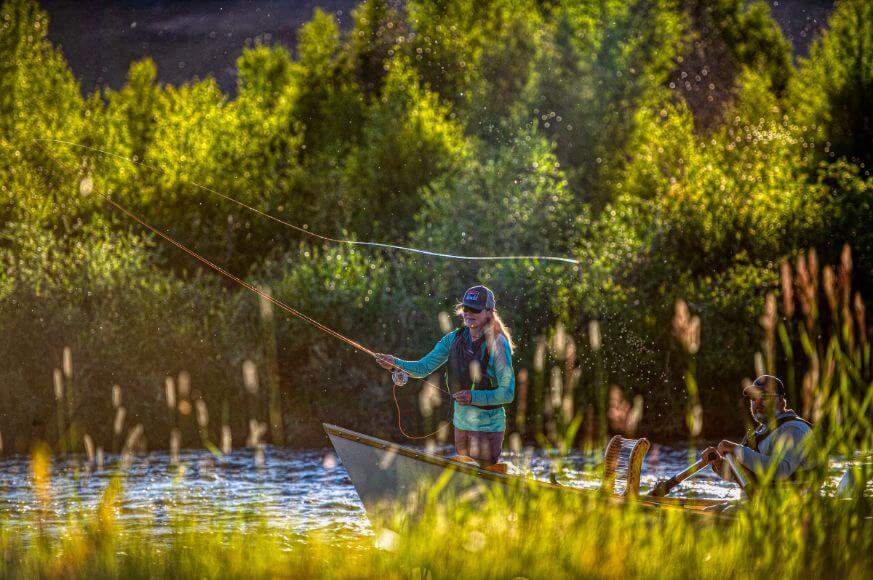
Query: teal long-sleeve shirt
470	417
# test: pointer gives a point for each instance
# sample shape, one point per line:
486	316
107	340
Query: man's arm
431	361
788	448
501	367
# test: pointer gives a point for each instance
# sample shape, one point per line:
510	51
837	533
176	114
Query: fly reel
399	377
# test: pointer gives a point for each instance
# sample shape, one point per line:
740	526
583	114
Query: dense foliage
672	146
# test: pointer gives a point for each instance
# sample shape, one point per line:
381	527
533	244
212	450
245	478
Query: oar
738	475
662	488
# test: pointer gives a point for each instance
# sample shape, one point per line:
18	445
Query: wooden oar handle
738	475
662	488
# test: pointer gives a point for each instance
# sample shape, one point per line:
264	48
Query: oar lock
399	377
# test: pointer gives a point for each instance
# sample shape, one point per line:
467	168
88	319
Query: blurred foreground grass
542	536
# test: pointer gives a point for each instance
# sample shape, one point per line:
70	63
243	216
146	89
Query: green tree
379	31
598	62
138	105
831	96
261	145
328	112
511	199
409	140
329	105
451	38
39	99
724	38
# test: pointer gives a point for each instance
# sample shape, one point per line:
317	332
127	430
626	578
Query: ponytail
497	327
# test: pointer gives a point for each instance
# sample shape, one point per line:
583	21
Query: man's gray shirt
787	446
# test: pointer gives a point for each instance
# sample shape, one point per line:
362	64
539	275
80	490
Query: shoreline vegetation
674	148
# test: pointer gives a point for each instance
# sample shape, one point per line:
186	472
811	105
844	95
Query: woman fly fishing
479	375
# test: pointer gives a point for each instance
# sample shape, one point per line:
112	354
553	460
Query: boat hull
393	477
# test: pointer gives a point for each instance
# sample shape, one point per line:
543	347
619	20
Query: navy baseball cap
765	385
479	298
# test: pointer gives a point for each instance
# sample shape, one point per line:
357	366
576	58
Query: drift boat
386	473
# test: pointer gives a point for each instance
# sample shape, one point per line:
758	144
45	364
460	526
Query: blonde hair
496	327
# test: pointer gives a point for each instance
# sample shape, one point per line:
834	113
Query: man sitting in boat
479	375
778	446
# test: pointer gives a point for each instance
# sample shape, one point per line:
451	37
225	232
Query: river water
294	490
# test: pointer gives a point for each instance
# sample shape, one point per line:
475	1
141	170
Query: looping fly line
86	187
314	234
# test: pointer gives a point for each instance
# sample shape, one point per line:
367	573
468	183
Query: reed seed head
787	289
202	413
760	369
860	317
693	337
768	319
618	409
805	285
86	185
170	392
133	438
226	440
443	431
559	341
594	338
116	396
515	442
68	362
58	380
845	280
695	426
445	322
266	305
846	260
570	350
475	371
175	443
556	386
250	376
428	399
829	287
686	328
89	447
567	407
812	262
118	424
184	385
539	362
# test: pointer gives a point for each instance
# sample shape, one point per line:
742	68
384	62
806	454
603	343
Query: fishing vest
458	376
754	438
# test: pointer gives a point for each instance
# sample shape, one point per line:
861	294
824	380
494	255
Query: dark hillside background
186	39
192	39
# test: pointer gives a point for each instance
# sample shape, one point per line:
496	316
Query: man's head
766	397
